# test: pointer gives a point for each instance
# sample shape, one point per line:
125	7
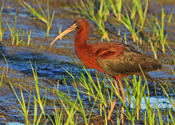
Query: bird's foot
53	92
122	120
110	120
122	123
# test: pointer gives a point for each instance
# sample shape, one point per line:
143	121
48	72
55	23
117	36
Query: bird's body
109	57
115	59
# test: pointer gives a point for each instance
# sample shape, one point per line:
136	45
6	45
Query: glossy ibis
115	59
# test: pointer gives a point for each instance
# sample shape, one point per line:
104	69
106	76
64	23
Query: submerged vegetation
88	96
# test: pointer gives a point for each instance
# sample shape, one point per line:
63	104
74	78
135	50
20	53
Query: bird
115	59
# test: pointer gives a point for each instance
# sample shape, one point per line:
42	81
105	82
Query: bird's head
78	25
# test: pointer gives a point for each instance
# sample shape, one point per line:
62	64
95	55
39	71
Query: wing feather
127	61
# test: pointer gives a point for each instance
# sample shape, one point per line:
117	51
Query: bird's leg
116	86
123	97
114	102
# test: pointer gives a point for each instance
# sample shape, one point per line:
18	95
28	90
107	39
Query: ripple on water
155	102
14	123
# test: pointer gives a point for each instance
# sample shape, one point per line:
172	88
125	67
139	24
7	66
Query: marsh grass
26	105
170	97
16	33
70	111
170	16
161	32
154	48
12	30
158	29
2	30
2	76
41	101
41	15
5	69
136	93
28	36
100	95
6	62
168	117
22	102
98	16
32	10
127	17
58	116
48	18
100	92
130	25
171	50
150	112
142	14
94	90
117	6
70	106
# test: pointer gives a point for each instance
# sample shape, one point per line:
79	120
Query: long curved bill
68	30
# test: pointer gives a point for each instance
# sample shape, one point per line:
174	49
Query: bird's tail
147	76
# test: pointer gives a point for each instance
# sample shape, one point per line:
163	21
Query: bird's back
116	59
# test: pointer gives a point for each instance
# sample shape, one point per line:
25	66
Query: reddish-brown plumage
115	59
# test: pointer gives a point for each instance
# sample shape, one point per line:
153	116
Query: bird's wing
125	60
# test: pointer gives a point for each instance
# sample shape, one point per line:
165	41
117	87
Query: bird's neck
81	40
81	46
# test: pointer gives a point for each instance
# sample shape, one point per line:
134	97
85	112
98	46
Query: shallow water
155	102
14	123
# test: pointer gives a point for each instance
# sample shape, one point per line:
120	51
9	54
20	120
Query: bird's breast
88	59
